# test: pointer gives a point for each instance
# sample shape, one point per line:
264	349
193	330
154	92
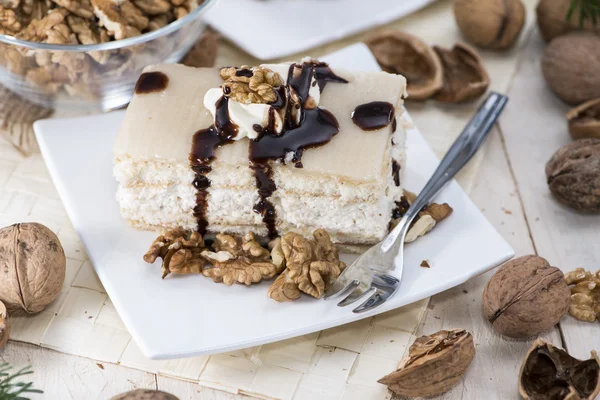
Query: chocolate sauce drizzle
374	115
316	128
266	186
396	172
204	143
150	82
324	74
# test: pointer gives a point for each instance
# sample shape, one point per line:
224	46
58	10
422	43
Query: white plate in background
270	29
191	315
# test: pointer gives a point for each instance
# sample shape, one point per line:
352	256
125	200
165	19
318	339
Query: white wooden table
511	191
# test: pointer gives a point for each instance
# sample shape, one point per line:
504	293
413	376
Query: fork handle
461	151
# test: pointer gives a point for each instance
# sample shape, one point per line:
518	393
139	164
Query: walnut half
429	216
250	85
585	294
238	260
311	266
180	251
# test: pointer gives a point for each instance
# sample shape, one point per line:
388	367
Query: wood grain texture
534	127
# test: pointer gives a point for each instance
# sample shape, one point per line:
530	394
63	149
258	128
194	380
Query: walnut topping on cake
251	85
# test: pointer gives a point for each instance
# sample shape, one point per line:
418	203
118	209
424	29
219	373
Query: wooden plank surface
534	127
511	191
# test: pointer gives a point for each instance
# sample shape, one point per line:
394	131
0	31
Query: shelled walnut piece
585	294
427	219
72	22
258	88
311	266
180	251
234	259
238	260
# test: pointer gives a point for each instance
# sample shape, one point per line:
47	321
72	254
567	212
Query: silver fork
368	276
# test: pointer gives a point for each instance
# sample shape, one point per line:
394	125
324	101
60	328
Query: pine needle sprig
588	9
10	388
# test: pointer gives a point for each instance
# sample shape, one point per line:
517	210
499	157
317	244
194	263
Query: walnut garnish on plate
585	294
180	251
238	260
250	85
429	216
311	266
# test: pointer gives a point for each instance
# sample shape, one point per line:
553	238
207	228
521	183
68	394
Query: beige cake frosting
344	186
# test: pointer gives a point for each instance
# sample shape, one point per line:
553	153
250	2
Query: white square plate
190	315
277	28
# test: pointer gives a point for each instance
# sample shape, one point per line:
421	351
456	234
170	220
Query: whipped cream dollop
251	119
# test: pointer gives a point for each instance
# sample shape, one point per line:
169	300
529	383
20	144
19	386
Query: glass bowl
93	77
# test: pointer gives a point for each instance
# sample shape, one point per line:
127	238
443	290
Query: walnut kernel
257	88
311	266
585	294
238	260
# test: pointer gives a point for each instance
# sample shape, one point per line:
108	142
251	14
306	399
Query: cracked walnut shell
401	53
584	120
526	297
465	77
32	267
311	266
585	294
238	260
180	251
434	364
551	373
573	175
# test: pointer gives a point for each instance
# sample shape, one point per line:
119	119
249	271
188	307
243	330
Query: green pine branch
11	387
588	10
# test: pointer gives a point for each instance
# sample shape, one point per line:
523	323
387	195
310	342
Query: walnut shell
4	325
434	364
584	120
401	53
551	373
571	67
32	267
525	297
552	21
465	77
145	394
490	24
573	175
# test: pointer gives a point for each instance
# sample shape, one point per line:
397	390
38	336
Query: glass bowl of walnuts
88	54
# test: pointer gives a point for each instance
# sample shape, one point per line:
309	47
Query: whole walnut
145	394
32	267
490	24
552	21
526	297
573	175
571	66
